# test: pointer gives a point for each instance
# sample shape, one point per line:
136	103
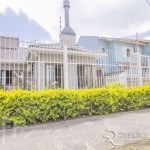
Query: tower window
135	49
128	52
103	50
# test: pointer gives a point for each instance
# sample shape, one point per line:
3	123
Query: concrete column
35	78
65	62
41	74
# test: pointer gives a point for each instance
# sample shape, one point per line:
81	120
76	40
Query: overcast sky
117	18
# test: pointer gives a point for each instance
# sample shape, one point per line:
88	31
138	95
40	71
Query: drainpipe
65	61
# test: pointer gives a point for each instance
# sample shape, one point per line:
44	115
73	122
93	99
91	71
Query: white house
40	66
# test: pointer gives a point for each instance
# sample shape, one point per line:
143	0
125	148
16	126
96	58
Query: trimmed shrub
22	107
116	85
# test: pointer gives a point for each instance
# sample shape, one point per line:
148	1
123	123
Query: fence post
149	70
131	77
39	74
65	61
139	68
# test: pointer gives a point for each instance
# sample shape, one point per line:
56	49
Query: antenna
60	24
60	31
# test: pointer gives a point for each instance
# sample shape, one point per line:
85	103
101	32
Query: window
11	77
6	77
128	52
84	73
100	78
103	50
53	75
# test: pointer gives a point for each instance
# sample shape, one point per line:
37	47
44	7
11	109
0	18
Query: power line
148	2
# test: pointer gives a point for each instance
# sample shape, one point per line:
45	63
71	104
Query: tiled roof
126	40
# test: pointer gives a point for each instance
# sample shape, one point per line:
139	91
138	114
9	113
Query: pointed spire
67	36
67	30
66	7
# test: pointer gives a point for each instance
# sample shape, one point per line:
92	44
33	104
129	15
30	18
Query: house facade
40	65
93	62
128	60
64	67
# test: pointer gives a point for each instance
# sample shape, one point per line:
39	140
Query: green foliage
116	85
22	107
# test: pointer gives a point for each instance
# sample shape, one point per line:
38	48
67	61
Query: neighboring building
146	49
124	59
118	49
12	62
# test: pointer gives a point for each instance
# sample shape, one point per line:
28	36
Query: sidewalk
91	133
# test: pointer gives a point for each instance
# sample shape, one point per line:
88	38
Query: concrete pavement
91	133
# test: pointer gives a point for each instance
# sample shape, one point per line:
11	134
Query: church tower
68	36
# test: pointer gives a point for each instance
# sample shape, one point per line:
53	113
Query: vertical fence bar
65	61
139	68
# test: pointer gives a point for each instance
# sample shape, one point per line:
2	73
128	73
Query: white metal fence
40	66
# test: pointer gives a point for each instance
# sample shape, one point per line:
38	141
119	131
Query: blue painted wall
116	50
146	50
88	42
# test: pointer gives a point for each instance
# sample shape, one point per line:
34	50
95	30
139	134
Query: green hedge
31	107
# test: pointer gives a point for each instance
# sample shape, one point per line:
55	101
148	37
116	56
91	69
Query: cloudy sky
117	18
